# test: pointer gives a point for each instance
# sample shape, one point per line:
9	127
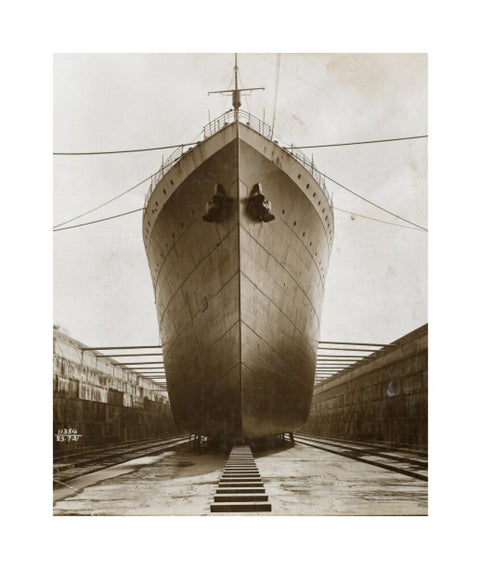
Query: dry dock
363	450
298	480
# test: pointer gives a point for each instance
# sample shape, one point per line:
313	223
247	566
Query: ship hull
238	302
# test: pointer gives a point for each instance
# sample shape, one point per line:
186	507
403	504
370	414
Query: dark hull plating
239	302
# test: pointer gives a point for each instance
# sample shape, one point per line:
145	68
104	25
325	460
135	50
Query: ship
238	231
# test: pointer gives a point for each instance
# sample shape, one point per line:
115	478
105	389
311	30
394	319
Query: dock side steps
240	489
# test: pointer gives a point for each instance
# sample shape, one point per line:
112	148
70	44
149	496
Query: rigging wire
363	142
225	103
419	227
301	78
103	204
100	220
378	220
245	95
193	143
372	203
142	208
117	196
122	151
277	77
230	85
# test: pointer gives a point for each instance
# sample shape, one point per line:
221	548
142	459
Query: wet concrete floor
298	481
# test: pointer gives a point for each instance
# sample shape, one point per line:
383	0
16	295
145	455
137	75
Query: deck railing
256	124
309	165
227	118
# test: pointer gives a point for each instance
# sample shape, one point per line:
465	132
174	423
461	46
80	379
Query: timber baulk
238	232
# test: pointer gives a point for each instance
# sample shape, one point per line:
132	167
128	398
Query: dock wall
101	402
384	399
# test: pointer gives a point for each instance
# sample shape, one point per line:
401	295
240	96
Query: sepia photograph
240	315
238	238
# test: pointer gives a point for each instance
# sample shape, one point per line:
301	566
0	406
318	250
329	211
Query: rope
364	142
103	204
378	220
374	204
99	220
122	151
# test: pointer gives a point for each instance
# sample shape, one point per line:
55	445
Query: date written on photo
67	435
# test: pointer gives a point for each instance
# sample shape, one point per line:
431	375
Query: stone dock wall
384	399
101	402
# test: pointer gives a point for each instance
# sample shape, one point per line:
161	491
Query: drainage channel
240	489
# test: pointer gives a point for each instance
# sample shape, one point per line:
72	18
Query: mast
236	98
236	103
